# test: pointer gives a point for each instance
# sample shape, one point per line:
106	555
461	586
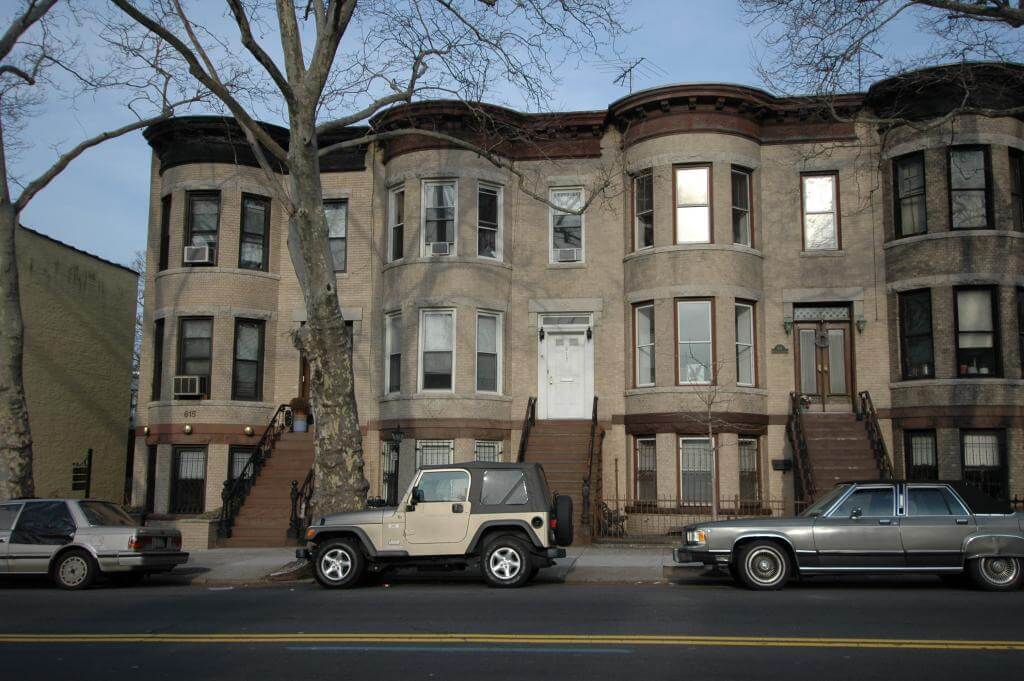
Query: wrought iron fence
662	521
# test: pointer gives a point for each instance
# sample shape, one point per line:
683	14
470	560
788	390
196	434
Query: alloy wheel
336	564
765	566
505	563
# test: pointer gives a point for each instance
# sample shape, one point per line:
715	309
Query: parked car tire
995	574
75	570
339	564
563	516
763	566
506	562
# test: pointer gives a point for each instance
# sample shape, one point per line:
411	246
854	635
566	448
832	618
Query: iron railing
301	497
870	416
237	489
661	521
529	420
590	461
798	441
1017	503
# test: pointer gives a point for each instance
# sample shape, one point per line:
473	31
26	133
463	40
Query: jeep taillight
554	523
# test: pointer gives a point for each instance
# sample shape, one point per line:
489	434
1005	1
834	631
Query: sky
100	202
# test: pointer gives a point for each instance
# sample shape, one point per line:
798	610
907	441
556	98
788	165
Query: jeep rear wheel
339	564
506	562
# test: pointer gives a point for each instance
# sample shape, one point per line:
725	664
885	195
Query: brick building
746	248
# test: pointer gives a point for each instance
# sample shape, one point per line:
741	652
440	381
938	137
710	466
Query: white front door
565	375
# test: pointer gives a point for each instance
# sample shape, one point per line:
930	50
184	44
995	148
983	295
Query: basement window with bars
487	450
239	459
750	474
646	469
983	462
188	480
921	459
434	453
695	471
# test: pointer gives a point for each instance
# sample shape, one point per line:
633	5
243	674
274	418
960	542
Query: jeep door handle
456	508
885	521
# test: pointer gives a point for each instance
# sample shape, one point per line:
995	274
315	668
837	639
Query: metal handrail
237	489
529	420
798	441
590	463
870	416
301	497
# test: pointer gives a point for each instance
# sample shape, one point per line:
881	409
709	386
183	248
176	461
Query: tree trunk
338	461
15	436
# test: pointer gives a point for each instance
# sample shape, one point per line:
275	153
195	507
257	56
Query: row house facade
740	256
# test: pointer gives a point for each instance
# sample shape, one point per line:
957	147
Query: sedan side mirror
856	513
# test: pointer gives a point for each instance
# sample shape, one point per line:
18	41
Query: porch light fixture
396	436
248	431
145	430
787	325
188	429
861	323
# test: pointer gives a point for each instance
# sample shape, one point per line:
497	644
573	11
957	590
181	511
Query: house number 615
190	413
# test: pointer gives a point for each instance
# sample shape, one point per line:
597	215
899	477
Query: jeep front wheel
339	564
506	562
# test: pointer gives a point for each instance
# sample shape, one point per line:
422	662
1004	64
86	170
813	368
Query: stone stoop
839	449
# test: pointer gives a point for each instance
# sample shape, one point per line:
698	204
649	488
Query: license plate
159	543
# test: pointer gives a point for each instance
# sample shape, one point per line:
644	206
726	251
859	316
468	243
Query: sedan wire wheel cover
765	566
73	570
505	563
1000	570
336	564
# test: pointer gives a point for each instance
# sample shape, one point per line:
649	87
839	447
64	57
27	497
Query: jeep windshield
823	503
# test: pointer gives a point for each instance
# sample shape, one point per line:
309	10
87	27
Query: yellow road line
516	639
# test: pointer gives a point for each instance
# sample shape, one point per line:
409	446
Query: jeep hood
370	516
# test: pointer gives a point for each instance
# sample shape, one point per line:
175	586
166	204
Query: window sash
977	332
969	190
488	353
393	352
396	222
695	346
820	219
434	453
165	232
909	182
742	231
487	450
917	345
201	228
437	350
921	455
254	233
644	335
195	347
693	204
158	359
746	361
488	226
1017	188
695	471
643	210
440	221
188	481
566	228
247	372
336	213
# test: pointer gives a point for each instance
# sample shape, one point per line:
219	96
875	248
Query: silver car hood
767	523
370	516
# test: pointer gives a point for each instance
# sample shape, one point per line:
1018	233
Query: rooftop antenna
626	74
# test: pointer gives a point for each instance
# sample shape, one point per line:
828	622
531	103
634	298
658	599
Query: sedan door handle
3	540
456	508
885	521
961	521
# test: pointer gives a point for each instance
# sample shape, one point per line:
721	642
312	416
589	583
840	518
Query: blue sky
100	202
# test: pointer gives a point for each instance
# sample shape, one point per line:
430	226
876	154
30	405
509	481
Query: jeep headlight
696	536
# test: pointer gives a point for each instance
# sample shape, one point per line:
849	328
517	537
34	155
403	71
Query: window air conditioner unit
567	255
198	255
189	386
440	248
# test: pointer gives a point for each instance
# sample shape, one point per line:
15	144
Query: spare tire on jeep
563	520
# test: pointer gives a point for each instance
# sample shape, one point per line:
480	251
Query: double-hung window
488	352
247	374
158	358
643	335
203	222
439	222
910	210
693	204
746	373
820	197
977	337
695	463
195	349
488	221
165	232
742	229
750	473
396	224
437	349
254	235
337	232
970	196
983	461
393	348
566	226
238	458
646	469
1017	187
921	455
916	346
643	210
693	330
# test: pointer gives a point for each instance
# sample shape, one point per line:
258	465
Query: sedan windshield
823	503
103	514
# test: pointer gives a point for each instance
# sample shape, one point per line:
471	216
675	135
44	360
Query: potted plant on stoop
300	414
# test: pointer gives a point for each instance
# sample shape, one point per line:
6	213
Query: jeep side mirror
415	497
856	513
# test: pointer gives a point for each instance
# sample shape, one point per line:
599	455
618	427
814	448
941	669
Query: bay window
910	211
916	347
745	359
203	221
254	233
488	227
488	352
693	204
437	349
977	337
643	335
742	229
695	338
195	349
970	197
393	351
396	224
440	224
643	210
247	374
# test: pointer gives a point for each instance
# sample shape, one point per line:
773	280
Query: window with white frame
643	210
396	224
745	373
820	194
488	352
487	450
566	226
437	349
695	462
440	225
643	334
742	231
393	350
488	221
693	204
693	321
434	453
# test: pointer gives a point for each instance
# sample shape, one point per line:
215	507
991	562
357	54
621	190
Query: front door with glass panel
565	369
824	372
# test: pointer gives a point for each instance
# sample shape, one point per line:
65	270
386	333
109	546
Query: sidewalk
592	563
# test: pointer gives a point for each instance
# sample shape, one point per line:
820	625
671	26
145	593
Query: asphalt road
435	629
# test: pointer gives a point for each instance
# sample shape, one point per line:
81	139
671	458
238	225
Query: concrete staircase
839	449
266	513
561	447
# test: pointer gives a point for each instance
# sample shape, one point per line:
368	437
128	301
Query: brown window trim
754	344
180	357
1017	189
262	326
711	203
838	210
989	217
714	338
749	172
648	172
901	309
158	358
996	335
635	348
265	265
166	204
897	213
636	467
189	197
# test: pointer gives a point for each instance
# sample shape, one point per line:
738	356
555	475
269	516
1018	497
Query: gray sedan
75	540
940	528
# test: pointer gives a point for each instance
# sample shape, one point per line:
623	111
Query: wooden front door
824	370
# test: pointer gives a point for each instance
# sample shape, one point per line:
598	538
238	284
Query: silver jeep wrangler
498	516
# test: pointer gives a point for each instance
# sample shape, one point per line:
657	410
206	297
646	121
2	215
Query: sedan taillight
139	543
